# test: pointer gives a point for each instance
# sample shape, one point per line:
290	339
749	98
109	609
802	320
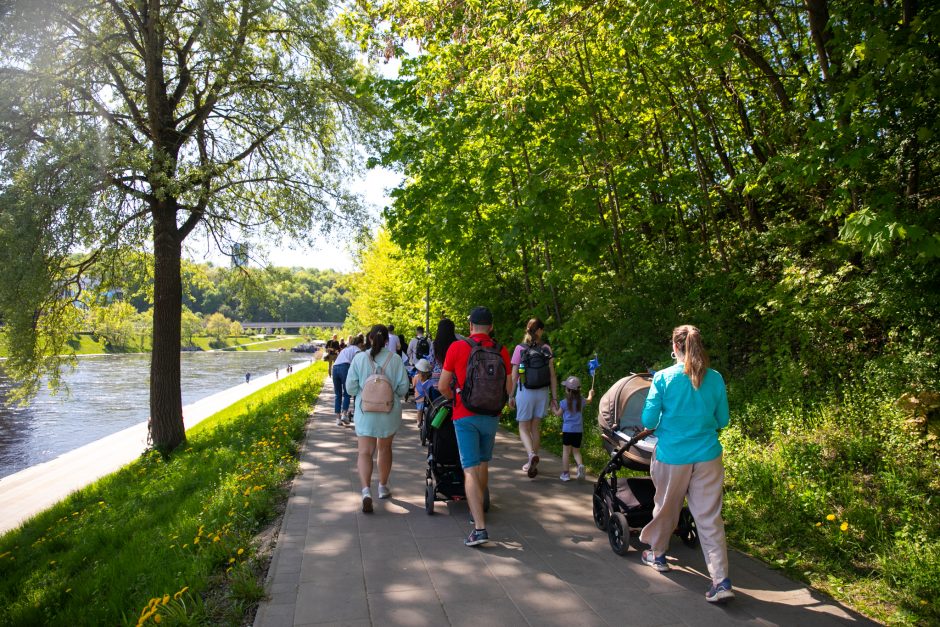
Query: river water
109	393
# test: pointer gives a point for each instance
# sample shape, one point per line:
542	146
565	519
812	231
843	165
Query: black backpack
423	347
484	389
535	360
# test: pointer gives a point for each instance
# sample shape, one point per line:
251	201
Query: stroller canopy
622	407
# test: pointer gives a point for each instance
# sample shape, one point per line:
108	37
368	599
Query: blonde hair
688	340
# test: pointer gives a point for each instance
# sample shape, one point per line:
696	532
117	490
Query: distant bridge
291	325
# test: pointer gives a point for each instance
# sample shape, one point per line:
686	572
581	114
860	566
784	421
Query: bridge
291	325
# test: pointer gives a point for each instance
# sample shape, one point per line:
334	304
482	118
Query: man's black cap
481	316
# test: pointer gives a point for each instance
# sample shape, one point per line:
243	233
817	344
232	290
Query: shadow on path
546	563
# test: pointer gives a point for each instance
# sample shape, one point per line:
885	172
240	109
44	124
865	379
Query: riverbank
144	543
29	491
84	345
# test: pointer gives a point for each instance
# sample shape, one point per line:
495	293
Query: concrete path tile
471	613
408	608
546	564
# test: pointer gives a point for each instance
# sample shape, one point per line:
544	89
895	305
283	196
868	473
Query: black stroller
622	507
444	480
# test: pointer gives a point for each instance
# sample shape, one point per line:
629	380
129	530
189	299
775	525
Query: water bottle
439	417
522	374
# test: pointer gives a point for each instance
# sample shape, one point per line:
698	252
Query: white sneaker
565	477
384	492
339	422
580	471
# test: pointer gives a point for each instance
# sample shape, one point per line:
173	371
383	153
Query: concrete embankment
30	491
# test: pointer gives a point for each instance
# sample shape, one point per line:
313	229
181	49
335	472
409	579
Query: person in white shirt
394	343
420	347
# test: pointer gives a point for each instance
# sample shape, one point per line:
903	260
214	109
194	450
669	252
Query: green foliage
766	174
153	538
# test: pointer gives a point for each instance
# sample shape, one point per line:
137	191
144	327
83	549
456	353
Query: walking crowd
477	377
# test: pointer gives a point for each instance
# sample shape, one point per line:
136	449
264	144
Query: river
108	393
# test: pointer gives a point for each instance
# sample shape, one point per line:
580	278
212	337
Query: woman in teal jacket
686	407
376	430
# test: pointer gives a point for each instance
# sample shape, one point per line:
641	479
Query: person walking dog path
546	562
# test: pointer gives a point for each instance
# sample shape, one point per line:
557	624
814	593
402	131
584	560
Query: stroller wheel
486	500
601	513
687	530
618	533
429	499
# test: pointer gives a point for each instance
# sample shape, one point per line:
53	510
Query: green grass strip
157	540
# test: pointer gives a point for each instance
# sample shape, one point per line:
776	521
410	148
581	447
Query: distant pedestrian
421	384
445	336
686	406
394	342
277	373
533	378
247	377
572	425
420	347
376	428
480	368
340	372
332	350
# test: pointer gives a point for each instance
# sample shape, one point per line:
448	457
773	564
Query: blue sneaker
720	592
476	537
659	563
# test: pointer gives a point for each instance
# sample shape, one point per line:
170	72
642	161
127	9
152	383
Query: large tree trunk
166	403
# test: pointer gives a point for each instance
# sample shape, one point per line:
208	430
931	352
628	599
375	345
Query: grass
841	492
167	541
286	343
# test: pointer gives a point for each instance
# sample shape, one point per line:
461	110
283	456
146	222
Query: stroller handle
640	435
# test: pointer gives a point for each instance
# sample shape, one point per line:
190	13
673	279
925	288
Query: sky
333	253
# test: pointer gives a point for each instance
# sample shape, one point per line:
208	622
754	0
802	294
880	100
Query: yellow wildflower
819	524
240	551
231	560
196	540
166	599
157	618
831	517
844	526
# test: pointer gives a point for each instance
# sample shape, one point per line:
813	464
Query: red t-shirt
456	362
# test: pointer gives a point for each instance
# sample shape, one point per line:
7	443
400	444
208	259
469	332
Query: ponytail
378	337
688	340
531	329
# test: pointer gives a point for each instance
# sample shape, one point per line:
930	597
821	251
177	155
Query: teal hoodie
686	421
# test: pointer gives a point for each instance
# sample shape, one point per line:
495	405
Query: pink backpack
378	394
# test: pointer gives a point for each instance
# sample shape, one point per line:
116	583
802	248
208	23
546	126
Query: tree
190	325
127	122
218	326
114	323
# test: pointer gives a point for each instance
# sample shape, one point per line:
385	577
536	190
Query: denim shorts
475	438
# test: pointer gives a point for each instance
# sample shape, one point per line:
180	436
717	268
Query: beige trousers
701	484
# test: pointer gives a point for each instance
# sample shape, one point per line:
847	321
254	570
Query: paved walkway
32	490
546	563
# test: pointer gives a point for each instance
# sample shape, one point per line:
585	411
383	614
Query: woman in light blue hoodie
686	406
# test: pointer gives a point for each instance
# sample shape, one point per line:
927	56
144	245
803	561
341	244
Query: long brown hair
688	340
378	336
531	329
575	402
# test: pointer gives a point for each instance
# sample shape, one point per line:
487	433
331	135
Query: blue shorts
475	438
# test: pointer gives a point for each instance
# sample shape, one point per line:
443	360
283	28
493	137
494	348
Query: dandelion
166	599
157	618
819	524
240	551
216	539
831	517
844	526
196	540
231	560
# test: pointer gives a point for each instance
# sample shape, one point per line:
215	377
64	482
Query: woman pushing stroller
686	407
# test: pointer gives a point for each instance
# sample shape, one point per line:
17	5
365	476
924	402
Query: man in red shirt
476	433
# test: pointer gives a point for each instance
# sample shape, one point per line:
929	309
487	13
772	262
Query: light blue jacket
686	420
375	424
